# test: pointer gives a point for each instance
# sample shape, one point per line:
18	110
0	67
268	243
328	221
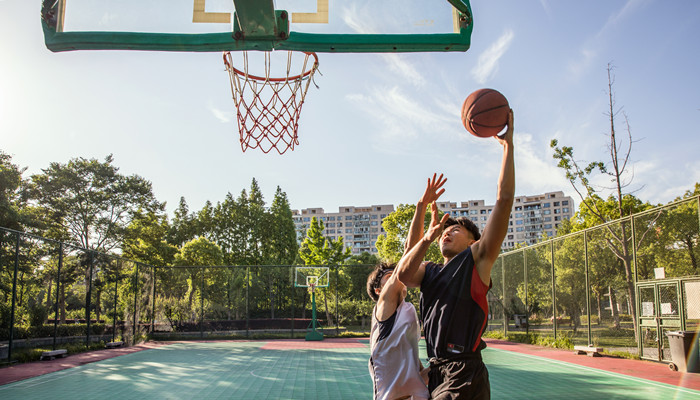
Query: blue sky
378	125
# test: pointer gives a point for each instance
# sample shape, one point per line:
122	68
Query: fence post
247	287
527	300
153	300
201	305
588	287
503	292
88	298
58	293
14	297
136	291
337	314
554	292
114	310
291	283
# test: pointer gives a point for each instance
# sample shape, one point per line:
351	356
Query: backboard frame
277	37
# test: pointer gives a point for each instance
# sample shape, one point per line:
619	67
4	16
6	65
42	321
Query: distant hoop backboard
311	276
342	26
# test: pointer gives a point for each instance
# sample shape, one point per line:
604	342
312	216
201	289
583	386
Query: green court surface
285	370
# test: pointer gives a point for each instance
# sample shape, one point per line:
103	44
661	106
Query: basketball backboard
229	25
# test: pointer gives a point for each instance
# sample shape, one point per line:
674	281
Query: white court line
603	372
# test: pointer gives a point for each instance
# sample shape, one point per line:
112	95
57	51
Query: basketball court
268	92
333	368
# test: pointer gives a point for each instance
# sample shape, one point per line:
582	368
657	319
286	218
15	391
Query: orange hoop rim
260	79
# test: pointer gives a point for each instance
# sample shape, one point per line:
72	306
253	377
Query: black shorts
460	379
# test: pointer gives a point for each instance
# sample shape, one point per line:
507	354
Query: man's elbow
407	279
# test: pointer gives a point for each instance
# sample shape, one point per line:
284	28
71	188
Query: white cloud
223	116
546	7
487	65
536	170
108	19
597	41
358	23
402	118
399	65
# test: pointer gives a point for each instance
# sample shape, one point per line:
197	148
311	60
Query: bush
47	330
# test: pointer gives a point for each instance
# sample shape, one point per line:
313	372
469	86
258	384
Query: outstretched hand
507	137
434	189
436	226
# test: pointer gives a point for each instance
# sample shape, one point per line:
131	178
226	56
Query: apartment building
531	217
358	226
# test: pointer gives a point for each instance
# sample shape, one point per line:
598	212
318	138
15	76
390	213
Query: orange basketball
485	113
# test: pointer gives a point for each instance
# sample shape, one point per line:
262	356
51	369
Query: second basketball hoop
268	102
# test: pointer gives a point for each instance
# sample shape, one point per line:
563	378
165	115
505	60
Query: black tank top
453	307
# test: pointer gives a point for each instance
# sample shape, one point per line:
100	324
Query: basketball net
268	107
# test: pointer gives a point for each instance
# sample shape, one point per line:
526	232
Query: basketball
485	113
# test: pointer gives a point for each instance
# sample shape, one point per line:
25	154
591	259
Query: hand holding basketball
485	113
507	136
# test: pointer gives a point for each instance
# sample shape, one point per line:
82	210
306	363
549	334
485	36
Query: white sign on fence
692	299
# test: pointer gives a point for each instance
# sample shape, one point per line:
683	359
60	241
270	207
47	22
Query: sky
378	125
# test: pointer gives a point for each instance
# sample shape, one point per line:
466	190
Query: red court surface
299	344
653	371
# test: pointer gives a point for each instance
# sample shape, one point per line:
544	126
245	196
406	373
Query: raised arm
487	249
411	268
432	192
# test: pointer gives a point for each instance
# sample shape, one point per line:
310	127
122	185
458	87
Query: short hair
374	280
466	223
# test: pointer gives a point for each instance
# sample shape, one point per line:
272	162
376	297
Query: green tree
92	201
197	252
184	225
620	149
11	202
145	240
396	225
283	241
676	235
317	249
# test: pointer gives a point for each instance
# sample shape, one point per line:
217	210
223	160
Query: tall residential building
358	226
531	218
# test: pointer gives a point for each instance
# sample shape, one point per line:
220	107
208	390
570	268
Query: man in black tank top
453	301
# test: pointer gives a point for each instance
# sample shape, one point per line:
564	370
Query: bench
50	355
114	344
591	351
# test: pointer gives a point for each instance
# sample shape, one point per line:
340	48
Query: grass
566	340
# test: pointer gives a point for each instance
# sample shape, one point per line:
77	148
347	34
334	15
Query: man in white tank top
396	370
394	364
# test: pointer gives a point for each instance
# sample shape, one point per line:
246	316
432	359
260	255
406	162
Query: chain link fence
621	286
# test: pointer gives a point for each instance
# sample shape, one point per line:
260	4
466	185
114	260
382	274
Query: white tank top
394	362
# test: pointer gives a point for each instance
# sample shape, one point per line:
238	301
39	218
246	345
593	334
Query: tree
620	149
317	249
283	243
92	201
144	240
396	225
11	185
676	235
197	252
184	225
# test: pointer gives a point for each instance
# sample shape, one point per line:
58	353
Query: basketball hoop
268	107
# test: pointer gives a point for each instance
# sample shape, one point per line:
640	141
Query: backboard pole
313	334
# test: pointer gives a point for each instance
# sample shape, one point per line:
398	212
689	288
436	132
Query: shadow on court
302	370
